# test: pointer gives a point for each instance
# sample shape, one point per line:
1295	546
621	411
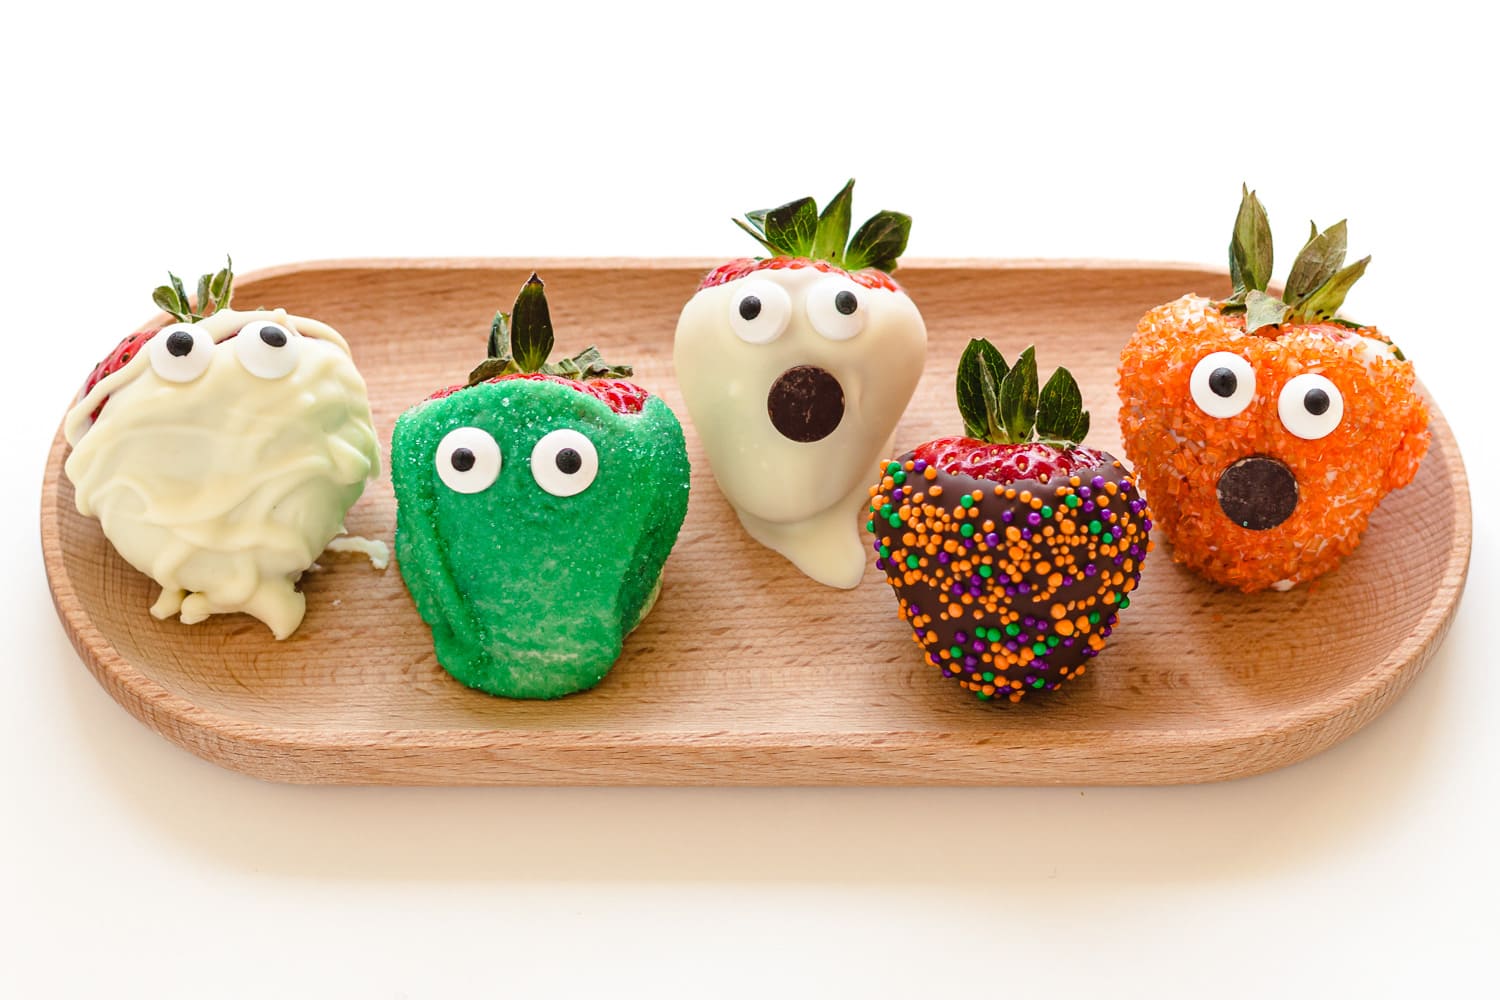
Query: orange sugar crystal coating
1180	452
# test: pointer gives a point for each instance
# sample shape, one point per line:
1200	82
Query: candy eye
564	463
180	352
468	460
267	350
1223	384
759	311
836	308
1310	406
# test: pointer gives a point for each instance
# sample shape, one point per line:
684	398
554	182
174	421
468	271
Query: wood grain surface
747	672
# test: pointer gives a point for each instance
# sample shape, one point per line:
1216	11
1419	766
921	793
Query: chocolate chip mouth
1257	493
805	404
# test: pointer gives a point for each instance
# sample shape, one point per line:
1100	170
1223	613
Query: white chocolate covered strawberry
220	453
795	369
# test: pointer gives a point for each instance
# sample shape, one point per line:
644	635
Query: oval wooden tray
748	673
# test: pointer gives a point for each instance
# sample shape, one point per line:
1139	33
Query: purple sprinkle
956	590
1105	631
1026	533
1024	588
1012	645
968	543
947	672
920	465
1005	516
992	539
960	637
1033	519
1119	560
970	661
943	558
896	495
1089	570
880	564
1098	482
979	645
1084	492
1088	507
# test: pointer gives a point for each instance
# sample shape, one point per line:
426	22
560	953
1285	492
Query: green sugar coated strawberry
536	507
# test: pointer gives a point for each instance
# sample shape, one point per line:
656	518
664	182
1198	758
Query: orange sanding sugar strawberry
1265	430
1013	549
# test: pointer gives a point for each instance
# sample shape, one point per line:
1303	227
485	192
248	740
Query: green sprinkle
1012	629
870	527
966	501
886	510
982	696
1052	640
885	551
1072	500
1040	681
898	477
1039	648
912	561
988	675
893	468
1107	538
1046	511
956	653
986	571
1094	618
895	520
1095	527
1124	601
967	531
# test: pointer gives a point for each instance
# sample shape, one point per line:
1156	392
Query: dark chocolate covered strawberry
1011	549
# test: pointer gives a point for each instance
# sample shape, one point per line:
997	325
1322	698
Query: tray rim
173	716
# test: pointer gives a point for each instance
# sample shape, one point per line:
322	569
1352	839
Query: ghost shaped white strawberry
220	453
795	369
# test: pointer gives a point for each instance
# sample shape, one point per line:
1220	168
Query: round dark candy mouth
805	404
1257	493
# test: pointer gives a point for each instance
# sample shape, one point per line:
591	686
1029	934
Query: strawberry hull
1012	587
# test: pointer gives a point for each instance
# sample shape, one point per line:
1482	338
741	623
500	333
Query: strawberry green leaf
1327	298
759	236
1263	310
833	226
168	301
1059	408
493	368
221	285
1080	431
531	327
981	370
793	227
586	364
205	300
757	219
1018	397
879	242
1318	261
182	297
499	345
1250	254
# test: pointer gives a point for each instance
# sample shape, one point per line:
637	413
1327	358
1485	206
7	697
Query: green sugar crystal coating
531	595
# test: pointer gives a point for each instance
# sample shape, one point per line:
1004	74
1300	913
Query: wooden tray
748	673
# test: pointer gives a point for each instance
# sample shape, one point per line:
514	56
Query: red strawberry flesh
1008	463
744	266
619	395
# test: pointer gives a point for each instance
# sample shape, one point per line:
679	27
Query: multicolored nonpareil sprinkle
1009	588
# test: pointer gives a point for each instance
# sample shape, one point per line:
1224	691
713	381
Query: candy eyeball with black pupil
759	311
180	352
1222	384
1310	406
564	462
468	460
266	349
835	308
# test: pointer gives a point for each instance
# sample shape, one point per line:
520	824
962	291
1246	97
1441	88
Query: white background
139	140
